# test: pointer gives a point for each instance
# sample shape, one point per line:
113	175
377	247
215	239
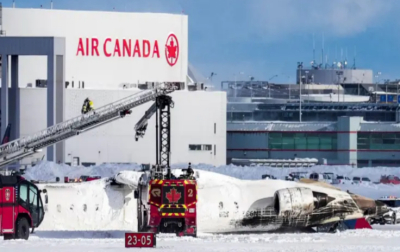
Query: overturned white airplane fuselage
227	204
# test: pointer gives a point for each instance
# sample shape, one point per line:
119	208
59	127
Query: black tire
22	229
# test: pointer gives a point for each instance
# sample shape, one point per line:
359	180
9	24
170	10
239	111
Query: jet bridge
29	145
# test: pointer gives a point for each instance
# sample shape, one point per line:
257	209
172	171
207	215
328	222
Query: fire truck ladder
29	145
161	108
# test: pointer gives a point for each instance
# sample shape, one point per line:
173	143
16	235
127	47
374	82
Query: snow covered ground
383	238
60	237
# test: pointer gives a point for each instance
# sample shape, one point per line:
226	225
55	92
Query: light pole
376	86
361	84
300	66
339	73
308	92
236	84
269	86
251	86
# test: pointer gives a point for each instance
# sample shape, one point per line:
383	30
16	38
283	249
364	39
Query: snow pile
374	191
48	171
255	172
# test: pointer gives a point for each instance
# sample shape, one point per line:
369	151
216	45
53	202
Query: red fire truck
21	207
166	203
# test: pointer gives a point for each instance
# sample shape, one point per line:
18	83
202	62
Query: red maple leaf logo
172	49
173	196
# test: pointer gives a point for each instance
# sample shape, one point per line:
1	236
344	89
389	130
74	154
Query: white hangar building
105	56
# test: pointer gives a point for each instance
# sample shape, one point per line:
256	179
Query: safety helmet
90	103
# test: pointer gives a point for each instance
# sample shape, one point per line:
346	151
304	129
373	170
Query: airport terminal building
105	56
354	124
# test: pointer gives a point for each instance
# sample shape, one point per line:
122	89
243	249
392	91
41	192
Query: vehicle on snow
390	179
326	177
366	180
393	215
356	180
21	207
343	179
268	176
295	176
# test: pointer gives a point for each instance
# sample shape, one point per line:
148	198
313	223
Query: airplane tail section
360	223
6	137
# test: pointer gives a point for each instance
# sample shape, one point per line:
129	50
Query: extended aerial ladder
161	108
29	145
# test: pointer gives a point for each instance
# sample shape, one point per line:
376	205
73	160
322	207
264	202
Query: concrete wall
101	71
193	119
347	138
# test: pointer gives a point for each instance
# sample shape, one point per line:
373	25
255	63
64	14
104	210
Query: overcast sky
263	38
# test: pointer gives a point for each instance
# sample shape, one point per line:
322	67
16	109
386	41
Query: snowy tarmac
382	238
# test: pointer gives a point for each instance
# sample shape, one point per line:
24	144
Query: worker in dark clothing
87	106
190	172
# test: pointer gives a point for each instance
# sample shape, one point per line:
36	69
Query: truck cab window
33	197
34	205
23	192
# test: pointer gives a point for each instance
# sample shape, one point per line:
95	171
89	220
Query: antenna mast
313	49
322	62
341	54
334	63
326	62
354	59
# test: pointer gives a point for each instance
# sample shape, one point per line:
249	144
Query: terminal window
200	147
302	141
378	141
